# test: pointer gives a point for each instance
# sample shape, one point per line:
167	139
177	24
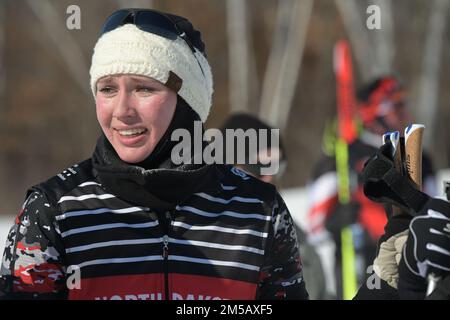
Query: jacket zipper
165	225
165	255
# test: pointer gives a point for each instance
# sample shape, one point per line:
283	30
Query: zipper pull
165	246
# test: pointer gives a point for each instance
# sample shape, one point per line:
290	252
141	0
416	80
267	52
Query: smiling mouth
131	132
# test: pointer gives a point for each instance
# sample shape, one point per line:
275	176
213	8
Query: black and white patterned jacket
73	239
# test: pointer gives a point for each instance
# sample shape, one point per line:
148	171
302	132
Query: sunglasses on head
147	20
151	21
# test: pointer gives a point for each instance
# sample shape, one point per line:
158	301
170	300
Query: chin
133	156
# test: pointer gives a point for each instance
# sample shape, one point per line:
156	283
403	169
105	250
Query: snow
5	224
296	200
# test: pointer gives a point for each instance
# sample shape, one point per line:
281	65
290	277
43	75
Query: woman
128	223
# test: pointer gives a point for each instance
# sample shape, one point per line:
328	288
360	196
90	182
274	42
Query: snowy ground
296	200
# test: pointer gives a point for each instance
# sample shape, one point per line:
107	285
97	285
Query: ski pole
347	133
413	153
413	163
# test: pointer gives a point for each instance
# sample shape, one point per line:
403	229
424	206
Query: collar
160	189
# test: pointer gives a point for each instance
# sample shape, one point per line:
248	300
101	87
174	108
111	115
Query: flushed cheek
103	116
157	118
161	113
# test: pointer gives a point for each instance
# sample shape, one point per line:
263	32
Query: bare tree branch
274	62
241	63
359	38
143	4
383	40
427	106
2	54
55	27
3	76
284	63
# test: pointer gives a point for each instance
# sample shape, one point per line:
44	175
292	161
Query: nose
125	106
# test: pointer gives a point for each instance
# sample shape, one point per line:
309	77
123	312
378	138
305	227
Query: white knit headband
129	50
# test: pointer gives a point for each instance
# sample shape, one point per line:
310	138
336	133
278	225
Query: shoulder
65	181
236	183
243	184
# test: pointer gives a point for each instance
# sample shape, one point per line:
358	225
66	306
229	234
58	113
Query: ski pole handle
413	153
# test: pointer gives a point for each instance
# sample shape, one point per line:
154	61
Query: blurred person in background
382	107
132	222
312	267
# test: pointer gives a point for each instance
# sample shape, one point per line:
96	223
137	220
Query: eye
107	90
145	89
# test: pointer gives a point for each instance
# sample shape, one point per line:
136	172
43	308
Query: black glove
383	183
427	248
375	188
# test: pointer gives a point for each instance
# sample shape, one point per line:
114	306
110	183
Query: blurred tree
2	55
241	61
135	3
427	104
284	63
68	47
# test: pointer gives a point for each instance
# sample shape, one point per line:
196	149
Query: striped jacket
75	240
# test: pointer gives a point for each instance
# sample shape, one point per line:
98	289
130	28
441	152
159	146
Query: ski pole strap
405	190
383	183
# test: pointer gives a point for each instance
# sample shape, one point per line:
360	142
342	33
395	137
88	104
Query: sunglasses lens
156	23
114	21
